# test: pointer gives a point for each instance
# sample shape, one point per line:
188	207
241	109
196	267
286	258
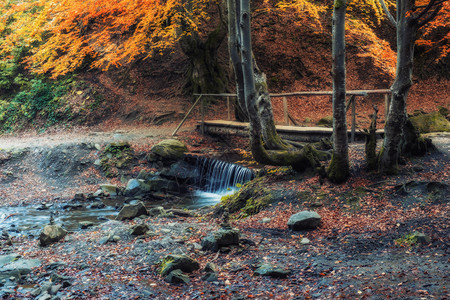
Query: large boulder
432	122
221	238
159	184
182	262
131	211
169	150
182	170
51	234
13	265
304	220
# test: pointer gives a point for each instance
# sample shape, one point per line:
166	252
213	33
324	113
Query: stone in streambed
51	234
131	211
304	220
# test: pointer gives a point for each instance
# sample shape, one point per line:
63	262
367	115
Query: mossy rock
116	156
181	262
432	122
170	149
326	122
250	199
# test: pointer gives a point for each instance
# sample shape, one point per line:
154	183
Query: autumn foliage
63	36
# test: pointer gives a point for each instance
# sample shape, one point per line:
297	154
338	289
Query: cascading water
218	176
216	179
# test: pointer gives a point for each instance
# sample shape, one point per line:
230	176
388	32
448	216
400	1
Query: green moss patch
432	122
116	156
250	199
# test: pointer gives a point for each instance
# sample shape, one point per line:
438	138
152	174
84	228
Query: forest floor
361	250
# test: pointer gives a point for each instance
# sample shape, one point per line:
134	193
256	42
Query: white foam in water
203	198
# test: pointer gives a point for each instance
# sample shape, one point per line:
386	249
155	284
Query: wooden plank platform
294	133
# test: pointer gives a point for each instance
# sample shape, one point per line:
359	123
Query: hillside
293	49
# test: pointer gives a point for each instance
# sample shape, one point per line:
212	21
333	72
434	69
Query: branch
430	17
425	10
388	13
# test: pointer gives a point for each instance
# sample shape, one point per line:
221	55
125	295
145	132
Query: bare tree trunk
338	170
233	48
299	160
407	27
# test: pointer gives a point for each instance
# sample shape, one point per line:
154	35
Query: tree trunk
407	27
204	73
299	160
338	170
233	48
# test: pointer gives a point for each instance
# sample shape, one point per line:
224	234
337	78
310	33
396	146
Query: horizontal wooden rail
313	93
352	101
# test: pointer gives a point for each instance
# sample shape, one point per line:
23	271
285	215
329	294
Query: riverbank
361	249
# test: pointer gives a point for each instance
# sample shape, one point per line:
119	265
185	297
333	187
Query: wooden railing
350	103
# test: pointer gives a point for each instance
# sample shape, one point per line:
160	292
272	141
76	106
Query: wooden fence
351	103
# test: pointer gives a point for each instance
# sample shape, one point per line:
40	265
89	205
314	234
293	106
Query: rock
220	238
169	149
177	276
420	238
174	262
156	211
5	239
432	122
272	271
51	234
265	220
158	184
210	268
304	220
86	224
131	211
181	213
13	265
136	187
139	229
305	241
79	197
111	189
210	277
181	170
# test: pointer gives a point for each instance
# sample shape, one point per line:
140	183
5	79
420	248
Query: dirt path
135	135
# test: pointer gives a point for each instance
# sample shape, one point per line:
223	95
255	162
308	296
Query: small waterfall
219	176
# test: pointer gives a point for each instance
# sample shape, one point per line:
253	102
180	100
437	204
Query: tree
411	15
258	105
338	169
70	34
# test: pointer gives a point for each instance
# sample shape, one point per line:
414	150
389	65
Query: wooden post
285	109
353	99
185	117
387	103
228	108
202	109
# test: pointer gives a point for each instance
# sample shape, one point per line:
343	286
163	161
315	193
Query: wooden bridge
294	133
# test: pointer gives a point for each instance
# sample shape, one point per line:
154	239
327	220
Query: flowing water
30	219
216	179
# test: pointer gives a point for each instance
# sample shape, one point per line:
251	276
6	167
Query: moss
250	199
115	156
339	3
432	122
338	169
326	122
